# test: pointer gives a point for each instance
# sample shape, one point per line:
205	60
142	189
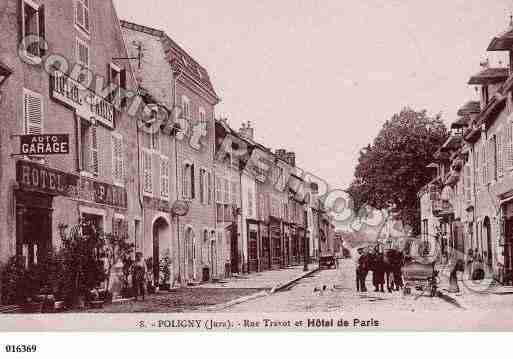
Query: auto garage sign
42	145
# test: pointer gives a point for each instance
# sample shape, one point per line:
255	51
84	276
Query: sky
321	77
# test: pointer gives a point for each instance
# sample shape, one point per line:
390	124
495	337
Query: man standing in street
362	269
138	276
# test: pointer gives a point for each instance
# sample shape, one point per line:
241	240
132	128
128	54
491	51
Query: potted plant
150	285
165	272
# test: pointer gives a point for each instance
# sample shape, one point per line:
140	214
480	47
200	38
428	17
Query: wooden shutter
484	163
33	112
147	172
86	14
123	87
117	158
509	146
41	19
164	178
79	12
193	187
95	158
499	154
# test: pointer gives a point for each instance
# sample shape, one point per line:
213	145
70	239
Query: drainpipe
176	75
141	203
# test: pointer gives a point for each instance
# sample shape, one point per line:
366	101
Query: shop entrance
160	231
33	227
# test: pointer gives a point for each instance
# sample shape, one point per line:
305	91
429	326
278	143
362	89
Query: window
117	77
33	23
89	152
226	191
508	147
209	189
117	159
32	112
492	159
499	151
235	193
186	108
188	189
82	52
203	186
164	178
82	15
468	183
202	115
147	173
251	201
155	141
484	171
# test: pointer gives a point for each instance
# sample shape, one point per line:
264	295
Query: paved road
340	295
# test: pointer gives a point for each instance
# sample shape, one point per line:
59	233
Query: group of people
386	266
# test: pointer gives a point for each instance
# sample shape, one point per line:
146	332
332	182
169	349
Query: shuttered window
82	53
95	157
147	172
164	178
32	112
219	195
188	188
492	160
202	186
484	164
82	14
117	159
235	193
209	189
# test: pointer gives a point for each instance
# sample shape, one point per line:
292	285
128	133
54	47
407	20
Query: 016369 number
21	348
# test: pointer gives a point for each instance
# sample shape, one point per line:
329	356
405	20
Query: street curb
240	300
281	286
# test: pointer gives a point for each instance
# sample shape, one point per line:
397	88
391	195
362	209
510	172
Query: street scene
284	161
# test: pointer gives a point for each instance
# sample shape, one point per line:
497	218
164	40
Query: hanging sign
180	208
43	145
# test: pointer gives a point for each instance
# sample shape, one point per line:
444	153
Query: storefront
265	252
507	243
276	245
253	246
37	190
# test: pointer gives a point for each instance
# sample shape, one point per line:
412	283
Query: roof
471	107
175	52
503	41
490	76
461	122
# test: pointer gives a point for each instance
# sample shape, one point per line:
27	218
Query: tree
392	170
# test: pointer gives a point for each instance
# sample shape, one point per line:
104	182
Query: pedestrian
378	272
362	270
139	276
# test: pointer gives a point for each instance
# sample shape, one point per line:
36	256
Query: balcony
86	103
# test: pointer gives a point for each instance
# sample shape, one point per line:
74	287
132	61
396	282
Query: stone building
88	173
183	86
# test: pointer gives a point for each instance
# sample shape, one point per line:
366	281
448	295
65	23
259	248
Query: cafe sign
43	145
35	177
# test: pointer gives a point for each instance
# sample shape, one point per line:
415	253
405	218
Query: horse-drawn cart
421	275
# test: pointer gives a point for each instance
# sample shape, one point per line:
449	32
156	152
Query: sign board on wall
35	177
43	145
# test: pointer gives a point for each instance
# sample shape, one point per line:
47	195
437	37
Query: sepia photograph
291	165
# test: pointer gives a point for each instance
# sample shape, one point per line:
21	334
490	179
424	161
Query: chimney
282	154
291	158
246	131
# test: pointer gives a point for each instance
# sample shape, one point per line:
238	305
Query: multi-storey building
471	194
180	84
61	56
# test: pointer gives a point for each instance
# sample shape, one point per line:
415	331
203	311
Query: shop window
89	151
33	24
32	112
253	245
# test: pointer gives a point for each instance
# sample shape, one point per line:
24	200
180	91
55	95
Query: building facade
87	176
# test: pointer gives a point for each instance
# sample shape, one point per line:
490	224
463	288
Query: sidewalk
263	280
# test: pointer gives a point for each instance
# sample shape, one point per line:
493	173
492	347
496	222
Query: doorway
160	250
190	254
33	227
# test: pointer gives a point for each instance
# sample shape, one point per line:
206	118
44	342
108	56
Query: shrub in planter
165	272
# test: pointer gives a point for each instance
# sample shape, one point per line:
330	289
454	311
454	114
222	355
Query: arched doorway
487	251
190	254
160	246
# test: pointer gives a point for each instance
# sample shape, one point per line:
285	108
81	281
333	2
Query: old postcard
256	166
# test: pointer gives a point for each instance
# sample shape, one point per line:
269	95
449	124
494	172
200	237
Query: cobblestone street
340	295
